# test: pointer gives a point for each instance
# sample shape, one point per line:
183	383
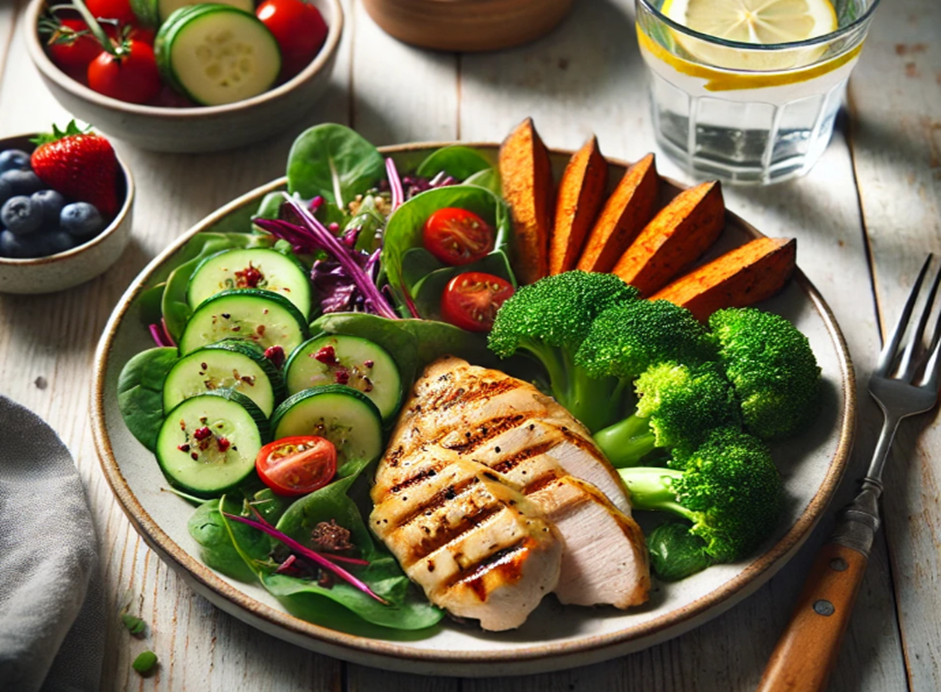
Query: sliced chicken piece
476	546
605	558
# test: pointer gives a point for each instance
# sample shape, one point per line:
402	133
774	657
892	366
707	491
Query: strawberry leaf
71	130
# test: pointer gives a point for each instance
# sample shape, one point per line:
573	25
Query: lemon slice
753	21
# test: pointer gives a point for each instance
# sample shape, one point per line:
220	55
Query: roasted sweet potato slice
624	215
675	239
527	185
581	194
746	275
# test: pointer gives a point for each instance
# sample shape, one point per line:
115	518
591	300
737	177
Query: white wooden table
864	219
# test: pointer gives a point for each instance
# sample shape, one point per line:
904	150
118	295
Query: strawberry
79	164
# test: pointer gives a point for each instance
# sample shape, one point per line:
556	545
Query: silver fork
904	383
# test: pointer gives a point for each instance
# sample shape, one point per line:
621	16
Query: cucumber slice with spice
231	364
251	268
343	415
207	445
217	54
265	318
350	360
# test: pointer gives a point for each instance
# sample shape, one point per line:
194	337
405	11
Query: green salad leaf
140	392
488	179
209	528
458	161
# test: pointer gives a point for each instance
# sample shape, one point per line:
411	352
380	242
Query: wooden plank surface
585	77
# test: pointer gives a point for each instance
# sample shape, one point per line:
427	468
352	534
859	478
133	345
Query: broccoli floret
772	367
675	553
627	339
729	489
549	320
679	405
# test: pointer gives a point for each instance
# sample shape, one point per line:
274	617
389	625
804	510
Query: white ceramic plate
555	636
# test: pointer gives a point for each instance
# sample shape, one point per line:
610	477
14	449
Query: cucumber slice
232	431
251	268
343	415
364	365
153	12
230	364
217	54
263	317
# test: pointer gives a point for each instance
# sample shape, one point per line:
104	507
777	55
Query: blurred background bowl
196	129
80	264
467	25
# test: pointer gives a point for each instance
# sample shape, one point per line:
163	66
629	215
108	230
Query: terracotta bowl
78	265
196	129
467	25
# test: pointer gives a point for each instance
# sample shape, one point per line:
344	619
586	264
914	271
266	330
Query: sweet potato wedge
676	237
581	194
528	187
624	215
746	275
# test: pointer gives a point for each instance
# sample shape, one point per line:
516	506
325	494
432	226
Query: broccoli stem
627	442
651	488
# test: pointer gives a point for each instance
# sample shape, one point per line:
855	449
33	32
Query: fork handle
807	651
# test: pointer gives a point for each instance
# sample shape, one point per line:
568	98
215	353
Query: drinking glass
747	112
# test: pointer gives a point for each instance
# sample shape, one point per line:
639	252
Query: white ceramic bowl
78	265
196	129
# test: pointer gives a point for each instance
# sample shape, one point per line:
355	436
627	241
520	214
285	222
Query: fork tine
908	364
933	368
883	367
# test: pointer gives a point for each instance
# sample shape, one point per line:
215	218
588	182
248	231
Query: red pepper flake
249	277
183	447
342	376
276	355
369	363
367	385
202	433
327	355
226	315
237	328
260	330
195	456
224	444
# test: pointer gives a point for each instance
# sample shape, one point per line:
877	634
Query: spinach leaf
149	304
488	179
270	206
333	161
457	161
208	527
140	392
400	261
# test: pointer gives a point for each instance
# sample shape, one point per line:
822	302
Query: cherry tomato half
471	300
132	77
297	465
457	236
299	29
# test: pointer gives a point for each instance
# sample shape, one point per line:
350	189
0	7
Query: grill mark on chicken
483	390
508	561
486	431
438	500
511	462
444	535
539	483
422	475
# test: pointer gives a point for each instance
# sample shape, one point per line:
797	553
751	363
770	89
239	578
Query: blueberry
20	215
6	191
14	160
51	203
56	241
22	246
82	220
22	182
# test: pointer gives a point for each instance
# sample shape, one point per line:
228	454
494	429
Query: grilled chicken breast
464	422
476	546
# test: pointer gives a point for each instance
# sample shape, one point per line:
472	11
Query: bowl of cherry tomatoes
184	76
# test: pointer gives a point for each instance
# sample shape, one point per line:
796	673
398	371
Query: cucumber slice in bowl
350	360
207	445
339	413
230	364
251	268
265	318
217	54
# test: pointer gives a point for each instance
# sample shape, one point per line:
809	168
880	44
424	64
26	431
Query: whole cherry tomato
297	465
471	300
299	29
112	9
130	76
457	236
72	47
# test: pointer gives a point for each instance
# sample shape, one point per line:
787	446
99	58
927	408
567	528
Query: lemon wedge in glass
752	21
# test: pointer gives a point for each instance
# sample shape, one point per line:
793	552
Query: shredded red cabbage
161	335
395	184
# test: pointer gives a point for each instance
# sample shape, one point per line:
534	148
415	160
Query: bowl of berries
66	203
185	76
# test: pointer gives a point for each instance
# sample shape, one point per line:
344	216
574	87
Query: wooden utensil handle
805	654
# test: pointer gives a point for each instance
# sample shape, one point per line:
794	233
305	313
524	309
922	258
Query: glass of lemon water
748	90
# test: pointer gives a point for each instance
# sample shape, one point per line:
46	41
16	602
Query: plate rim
762	568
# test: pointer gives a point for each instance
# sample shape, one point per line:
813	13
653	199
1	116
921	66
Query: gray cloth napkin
51	601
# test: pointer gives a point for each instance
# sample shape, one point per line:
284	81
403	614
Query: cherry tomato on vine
131	76
297	465
72	47
471	300
112	9
299	29
457	236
